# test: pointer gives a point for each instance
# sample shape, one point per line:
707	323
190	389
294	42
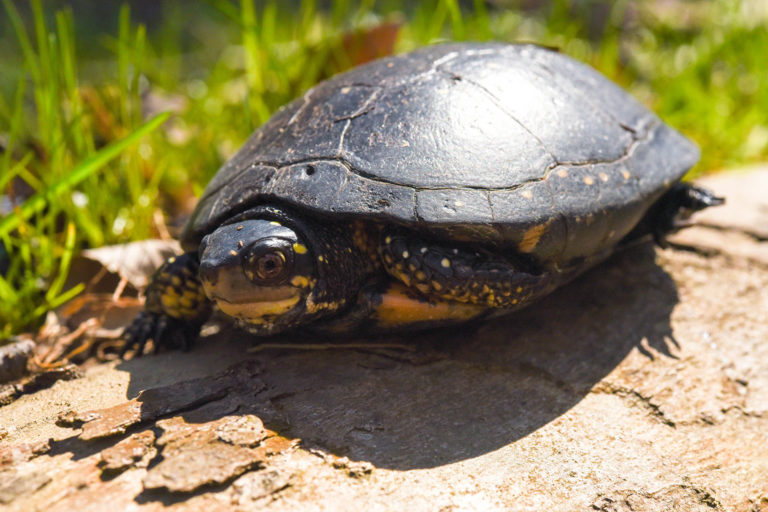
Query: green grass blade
457	22
23	38
18	167
83	170
66	260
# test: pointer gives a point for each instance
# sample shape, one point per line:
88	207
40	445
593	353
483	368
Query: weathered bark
641	386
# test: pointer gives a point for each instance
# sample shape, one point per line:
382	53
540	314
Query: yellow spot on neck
275	223
445	262
299	248
300	281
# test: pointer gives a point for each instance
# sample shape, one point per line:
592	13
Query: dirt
643	385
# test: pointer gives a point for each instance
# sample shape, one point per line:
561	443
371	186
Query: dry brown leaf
136	261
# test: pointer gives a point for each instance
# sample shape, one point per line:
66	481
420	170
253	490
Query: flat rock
642	386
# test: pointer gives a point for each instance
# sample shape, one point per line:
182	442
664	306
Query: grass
83	163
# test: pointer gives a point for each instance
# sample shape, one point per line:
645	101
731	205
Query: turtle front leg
460	274
175	309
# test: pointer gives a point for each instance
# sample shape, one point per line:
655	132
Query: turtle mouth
257	311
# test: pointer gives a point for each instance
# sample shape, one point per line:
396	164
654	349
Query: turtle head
274	275
259	272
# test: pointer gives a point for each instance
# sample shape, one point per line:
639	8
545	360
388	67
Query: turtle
452	183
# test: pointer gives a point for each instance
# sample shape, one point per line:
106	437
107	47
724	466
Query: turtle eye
270	265
268	261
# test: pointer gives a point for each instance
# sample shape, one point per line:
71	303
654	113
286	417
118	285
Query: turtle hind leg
175	309
673	209
460	274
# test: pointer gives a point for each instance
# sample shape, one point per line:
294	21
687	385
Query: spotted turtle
451	183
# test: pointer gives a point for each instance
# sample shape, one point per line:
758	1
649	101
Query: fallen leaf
136	261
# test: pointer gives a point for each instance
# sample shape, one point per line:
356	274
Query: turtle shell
510	146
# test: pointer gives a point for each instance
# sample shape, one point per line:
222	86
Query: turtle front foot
175	310
164	331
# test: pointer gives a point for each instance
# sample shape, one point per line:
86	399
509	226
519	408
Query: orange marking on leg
400	307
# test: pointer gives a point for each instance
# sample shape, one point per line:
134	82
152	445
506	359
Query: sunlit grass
223	67
55	148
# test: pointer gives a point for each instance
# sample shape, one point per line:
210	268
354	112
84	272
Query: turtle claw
163	330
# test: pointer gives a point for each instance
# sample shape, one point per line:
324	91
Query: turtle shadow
462	392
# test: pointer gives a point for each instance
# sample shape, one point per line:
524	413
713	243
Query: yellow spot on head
320	258
445	262
299	248
519	289
514	301
626	174
233	252
588	180
239	243
388	240
423	250
603	176
239	228
172	259
405	254
275	223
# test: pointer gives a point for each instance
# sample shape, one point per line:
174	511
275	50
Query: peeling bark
641	386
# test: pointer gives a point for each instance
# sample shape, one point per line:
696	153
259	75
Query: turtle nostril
208	273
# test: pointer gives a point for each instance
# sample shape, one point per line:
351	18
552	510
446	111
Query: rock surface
641	386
